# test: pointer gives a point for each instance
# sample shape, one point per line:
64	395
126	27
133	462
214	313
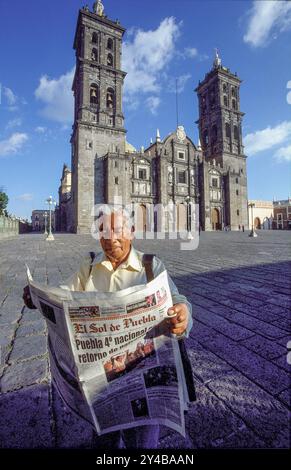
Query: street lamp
45	223
51	202
187	200
252	232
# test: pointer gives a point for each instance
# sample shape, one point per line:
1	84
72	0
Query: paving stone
282	362
224	326
285	397
70	430
12	316
265	415
244	439
31	328
28	347
210	419
25	418
264	347
206	365
23	374
31	315
256	368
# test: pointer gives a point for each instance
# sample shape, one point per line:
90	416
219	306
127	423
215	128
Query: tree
3	201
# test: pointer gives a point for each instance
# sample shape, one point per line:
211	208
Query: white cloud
40	129
10	96
152	103
11	99
190	52
181	83
25	197
283	154
132	102
14	123
13	144
267	18
267	138
146	55
57	96
288	97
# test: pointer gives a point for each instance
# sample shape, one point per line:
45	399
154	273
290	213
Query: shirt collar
133	261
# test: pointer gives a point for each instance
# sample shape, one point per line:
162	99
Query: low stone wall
8	227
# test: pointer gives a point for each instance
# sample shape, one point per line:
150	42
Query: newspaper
112	357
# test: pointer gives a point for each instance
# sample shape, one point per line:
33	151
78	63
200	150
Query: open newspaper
112	357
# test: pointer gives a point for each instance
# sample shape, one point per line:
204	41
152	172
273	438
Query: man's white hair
110	209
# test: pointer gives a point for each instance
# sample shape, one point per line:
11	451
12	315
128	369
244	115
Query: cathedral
104	166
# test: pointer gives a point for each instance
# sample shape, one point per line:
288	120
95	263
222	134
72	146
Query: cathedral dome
129	148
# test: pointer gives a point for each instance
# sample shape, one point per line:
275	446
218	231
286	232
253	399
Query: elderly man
120	266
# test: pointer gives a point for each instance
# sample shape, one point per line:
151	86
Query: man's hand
179	318
27	298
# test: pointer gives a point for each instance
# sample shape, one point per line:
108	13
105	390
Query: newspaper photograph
112	358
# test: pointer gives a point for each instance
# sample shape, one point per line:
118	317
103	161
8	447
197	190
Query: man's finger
182	317
178	331
171	312
181	324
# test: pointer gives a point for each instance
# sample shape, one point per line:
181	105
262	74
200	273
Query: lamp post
45	223
197	215
252	232
51	202
189	235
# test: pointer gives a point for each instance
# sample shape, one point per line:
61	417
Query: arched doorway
181	217
266	223
215	219
141	218
257	223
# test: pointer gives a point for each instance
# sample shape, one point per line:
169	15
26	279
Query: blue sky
168	39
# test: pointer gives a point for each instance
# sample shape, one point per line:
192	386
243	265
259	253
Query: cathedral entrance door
181	218
215	219
141	218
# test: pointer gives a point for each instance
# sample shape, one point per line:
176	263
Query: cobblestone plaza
240	291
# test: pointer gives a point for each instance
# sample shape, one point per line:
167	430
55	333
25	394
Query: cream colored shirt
130	273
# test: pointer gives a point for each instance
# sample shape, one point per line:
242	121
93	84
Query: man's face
115	236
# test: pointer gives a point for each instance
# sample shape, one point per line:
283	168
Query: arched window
110	98
205	137
212	97
233	104
224	88
235	133
110	44
225	100
233	92
94	94
214	133
95	38
94	55
227	130
203	104
110	60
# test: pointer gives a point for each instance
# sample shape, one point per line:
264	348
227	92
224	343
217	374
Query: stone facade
64	210
282	215
40	218
172	170
262	213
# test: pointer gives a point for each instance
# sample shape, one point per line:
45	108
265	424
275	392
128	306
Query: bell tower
220	117
98	118
220	131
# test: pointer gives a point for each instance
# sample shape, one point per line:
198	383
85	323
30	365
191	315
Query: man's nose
113	235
